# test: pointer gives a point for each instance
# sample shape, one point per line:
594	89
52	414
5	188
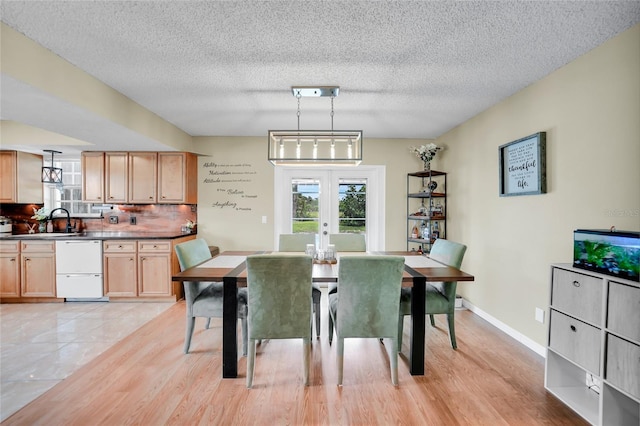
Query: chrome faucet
69	229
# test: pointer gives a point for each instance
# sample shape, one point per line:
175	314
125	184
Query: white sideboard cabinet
593	353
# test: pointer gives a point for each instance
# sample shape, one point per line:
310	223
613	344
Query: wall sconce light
315	147
51	174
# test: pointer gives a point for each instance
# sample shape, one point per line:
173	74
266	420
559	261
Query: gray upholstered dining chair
346	242
367	304
279	292
440	297
204	299
298	243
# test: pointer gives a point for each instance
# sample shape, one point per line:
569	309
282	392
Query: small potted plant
189	227
426	153
41	215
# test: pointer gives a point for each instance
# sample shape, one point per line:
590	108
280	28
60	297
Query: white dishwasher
79	269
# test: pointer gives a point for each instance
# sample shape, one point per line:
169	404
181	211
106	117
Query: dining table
230	268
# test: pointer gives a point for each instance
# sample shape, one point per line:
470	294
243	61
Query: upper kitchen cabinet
93	177
177	178
140	177
20	178
143	177
116	177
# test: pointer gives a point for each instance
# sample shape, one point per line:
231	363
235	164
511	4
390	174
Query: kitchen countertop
96	235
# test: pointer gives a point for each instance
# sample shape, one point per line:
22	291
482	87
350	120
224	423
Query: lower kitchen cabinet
9	269
154	268
120	268
38	269
141	269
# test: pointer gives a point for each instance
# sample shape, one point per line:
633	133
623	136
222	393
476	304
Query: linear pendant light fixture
315	147
51	174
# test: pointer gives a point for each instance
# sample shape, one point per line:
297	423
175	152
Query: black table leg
417	325
229	328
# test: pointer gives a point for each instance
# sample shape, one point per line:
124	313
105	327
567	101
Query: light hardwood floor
146	379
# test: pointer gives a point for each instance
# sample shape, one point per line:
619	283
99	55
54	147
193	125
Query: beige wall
590	110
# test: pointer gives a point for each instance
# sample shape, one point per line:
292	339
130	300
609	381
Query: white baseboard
537	348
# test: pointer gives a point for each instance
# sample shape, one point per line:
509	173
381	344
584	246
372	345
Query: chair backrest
192	253
296	242
348	242
369	296
450	253
279	292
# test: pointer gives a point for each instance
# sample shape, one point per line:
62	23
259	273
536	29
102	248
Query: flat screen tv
615	253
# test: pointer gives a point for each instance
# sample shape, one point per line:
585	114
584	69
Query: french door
327	201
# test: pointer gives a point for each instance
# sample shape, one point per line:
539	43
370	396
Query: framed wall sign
523	166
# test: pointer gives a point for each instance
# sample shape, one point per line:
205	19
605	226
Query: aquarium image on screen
612	253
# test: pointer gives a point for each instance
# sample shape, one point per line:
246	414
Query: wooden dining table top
231	263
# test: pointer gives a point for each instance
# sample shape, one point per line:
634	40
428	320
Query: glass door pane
352	206
305	212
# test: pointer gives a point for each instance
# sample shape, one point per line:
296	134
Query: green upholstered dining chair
279	291
298	243
346	242
440	297
204	299
367	303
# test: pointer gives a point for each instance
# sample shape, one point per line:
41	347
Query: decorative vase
42	227
427	166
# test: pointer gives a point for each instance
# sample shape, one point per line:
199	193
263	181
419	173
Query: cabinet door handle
573	328
151	198
13	259
119	247
576	284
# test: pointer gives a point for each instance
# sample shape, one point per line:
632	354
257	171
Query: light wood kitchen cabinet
93	177
140	177
120	268
116	177
177	178
20	178
154	268
143	177
9	269
38	269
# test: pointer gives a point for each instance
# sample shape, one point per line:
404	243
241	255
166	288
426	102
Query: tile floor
43	343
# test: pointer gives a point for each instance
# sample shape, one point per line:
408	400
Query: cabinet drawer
38	246
623	365
120	246
578	295
9	246
623	310
154	246
576	340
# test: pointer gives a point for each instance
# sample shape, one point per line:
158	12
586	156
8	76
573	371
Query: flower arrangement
40	214
425	152
190	224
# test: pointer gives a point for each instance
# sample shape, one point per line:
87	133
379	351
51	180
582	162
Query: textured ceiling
406	69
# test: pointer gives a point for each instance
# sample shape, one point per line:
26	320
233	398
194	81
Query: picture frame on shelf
523	166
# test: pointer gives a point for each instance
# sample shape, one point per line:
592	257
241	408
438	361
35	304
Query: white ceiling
406	69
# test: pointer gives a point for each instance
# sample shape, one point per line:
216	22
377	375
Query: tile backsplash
148	218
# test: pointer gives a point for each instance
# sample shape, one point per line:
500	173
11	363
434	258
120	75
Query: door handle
324	232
